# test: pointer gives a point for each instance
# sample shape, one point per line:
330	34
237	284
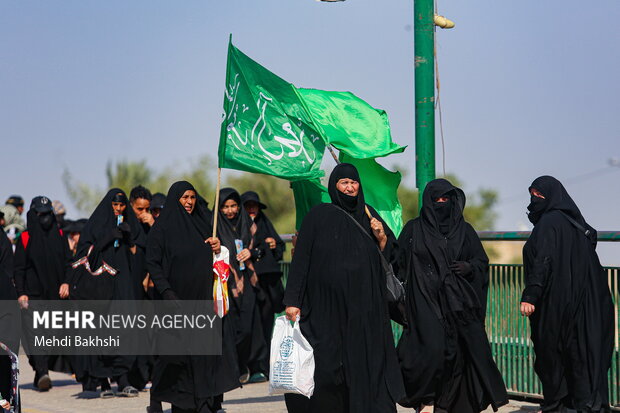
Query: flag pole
216	207
331	150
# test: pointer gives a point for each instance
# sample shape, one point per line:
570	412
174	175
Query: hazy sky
529	87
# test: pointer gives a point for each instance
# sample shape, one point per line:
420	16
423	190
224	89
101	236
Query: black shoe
150	409
43	383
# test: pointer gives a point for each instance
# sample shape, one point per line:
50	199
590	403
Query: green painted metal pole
424	40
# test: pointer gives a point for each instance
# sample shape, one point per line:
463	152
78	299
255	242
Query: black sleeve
405	243
68	262
155	247
300	265
20	264
479	261
258	250
538	269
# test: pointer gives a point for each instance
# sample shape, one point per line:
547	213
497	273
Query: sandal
128	391
106	394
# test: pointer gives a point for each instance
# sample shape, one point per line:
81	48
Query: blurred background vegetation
274	192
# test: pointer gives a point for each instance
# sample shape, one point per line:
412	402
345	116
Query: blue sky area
529	87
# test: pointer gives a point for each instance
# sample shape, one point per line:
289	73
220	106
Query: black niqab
556	199
443	231
444	353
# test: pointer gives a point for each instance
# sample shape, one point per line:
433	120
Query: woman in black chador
236	230
9	326
568	301
337	286
180	261
42	264
109	248
444	352
266	256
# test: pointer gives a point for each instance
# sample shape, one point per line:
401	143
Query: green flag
265	126
350	124
380	190
308	193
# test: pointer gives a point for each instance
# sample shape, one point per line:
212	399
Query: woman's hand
271	242
63	292
244	255
216	246
23	302
379	232
292	313
239	284
527	309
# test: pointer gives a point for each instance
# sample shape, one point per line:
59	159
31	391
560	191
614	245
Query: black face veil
354	205
443	219
556	198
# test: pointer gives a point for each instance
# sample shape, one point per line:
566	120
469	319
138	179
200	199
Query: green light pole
424	40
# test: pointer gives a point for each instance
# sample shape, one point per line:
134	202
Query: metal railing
509	332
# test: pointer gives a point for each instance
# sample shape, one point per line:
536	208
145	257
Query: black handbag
395	288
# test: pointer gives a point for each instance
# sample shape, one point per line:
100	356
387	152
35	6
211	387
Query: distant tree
128	174
276	193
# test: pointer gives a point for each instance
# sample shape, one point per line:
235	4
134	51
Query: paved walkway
67	397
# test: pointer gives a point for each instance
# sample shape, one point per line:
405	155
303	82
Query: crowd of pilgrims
162	249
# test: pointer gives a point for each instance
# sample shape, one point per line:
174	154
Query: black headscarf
103	219
443	220
177	256
354	205
47	251
556	199
174	217
240	227
126	284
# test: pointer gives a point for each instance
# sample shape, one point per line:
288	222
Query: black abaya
267	266
181	265
107	251
9	325
42	265
337	281
251	346
572	325
444	352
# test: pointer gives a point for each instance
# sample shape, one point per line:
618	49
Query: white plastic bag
291	365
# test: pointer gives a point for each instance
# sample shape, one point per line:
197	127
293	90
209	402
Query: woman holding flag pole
180	251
